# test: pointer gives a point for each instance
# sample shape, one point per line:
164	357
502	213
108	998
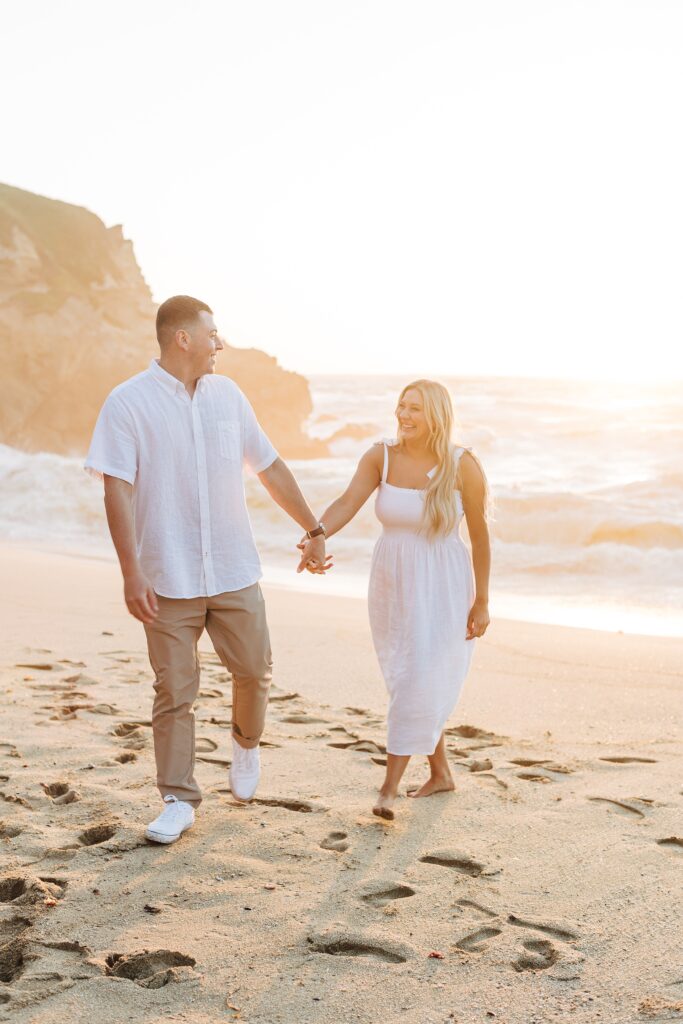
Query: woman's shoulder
377	448
374	455
467	463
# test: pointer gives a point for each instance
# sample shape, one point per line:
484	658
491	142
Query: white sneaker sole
244	799
162	837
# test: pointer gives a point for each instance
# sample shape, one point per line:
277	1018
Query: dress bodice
400	508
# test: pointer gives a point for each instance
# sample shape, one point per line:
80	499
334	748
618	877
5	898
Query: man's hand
313	555
141	600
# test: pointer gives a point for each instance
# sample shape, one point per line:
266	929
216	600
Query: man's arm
138	592
279	481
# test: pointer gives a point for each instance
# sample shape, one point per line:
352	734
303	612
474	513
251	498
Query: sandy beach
546	888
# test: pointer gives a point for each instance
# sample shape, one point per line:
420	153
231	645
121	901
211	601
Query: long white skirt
419	597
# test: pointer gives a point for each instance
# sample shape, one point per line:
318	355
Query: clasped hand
313	557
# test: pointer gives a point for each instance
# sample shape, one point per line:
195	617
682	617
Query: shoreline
54	595
353	588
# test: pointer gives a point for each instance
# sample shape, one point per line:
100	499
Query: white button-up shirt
184	458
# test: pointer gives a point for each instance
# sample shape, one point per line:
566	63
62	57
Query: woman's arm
366	478
473	489
343	509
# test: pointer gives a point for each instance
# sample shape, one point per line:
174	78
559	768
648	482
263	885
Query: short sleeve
259	453
113	448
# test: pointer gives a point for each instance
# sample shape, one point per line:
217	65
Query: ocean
586	477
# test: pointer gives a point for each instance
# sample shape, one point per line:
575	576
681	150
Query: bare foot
383	807
439	784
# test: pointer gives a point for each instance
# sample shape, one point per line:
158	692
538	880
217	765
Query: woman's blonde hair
440	510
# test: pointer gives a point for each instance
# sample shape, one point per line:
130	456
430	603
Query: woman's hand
478	619
313	557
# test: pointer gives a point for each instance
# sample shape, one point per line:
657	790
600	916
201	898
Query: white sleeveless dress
419	597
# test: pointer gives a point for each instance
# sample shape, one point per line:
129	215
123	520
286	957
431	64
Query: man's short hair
176	314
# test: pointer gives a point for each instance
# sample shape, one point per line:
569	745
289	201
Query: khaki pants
236	623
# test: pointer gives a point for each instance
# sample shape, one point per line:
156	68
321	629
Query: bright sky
456	187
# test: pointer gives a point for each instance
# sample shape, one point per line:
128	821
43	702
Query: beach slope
546	888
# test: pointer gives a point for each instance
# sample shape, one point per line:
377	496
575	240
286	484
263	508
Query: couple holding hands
170	444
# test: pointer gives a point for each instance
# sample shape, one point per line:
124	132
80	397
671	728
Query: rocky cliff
77	317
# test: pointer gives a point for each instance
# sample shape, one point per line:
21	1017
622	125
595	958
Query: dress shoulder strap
385	442
457	453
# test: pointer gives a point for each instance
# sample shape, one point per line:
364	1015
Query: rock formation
77	317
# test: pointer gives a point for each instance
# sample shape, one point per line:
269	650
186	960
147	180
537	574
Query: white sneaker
176	817
245	770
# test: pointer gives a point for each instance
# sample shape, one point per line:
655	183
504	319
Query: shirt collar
167	380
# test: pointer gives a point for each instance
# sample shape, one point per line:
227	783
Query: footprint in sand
471	732
10	798
387	894
556	931
475	942
338	841
459	862
12	888
349	945
132	734
12	933
303	719
471	905
528	762
629	810
41	969
127	729
23	890
104	709
303	806
150	969
491	780
57	886
629	760
12	962
10	831
674	843
97	834
540	955
204	745
126	758
60	792
222	761
361	747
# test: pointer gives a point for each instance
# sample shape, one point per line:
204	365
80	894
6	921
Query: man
170	444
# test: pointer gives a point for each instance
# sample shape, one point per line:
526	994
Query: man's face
204	343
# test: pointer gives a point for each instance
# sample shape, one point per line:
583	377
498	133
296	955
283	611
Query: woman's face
412	424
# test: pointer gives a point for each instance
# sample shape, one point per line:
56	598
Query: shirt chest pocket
229	441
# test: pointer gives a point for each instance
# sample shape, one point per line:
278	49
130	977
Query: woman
424	610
